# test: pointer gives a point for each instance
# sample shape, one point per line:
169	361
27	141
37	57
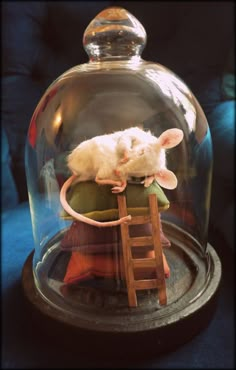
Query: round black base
152	334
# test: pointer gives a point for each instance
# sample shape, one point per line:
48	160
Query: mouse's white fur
113	158
97	158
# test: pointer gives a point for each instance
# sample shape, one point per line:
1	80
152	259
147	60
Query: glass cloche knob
114	33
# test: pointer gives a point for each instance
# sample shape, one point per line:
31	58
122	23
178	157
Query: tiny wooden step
140	241
137	220
144	262
146	284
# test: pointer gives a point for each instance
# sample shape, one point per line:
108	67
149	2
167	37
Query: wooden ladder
130	263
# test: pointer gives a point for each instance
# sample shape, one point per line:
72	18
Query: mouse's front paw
119	189
116	189
148	181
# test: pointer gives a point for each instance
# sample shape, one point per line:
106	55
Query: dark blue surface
24	347
40	41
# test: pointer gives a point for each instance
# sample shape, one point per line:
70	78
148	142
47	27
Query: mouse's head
150	159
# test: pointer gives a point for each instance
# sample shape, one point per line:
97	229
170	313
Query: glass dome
77	267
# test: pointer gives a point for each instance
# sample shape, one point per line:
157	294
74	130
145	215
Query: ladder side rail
127	254
155	220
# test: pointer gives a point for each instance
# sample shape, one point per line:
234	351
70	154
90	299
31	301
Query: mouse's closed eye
141	152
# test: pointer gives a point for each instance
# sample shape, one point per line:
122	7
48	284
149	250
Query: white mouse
114	158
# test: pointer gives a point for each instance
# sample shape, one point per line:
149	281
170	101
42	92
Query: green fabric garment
99	203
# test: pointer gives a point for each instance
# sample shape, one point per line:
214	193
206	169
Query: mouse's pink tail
79	216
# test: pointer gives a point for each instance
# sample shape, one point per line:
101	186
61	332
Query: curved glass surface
115	90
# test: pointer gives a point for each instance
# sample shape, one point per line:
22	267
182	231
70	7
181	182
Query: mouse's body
97	158
114	158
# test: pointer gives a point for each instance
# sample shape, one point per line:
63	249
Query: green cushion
99	203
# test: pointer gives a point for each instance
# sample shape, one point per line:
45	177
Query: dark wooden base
161	334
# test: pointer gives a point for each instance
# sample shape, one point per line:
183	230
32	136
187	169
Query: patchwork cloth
88	266
96	252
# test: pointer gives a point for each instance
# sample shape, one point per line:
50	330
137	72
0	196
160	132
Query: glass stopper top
114	34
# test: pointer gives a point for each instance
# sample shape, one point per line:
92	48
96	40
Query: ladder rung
141	241
136	220
144	262
146	284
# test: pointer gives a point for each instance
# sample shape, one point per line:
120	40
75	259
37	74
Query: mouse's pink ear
170	138
166	179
